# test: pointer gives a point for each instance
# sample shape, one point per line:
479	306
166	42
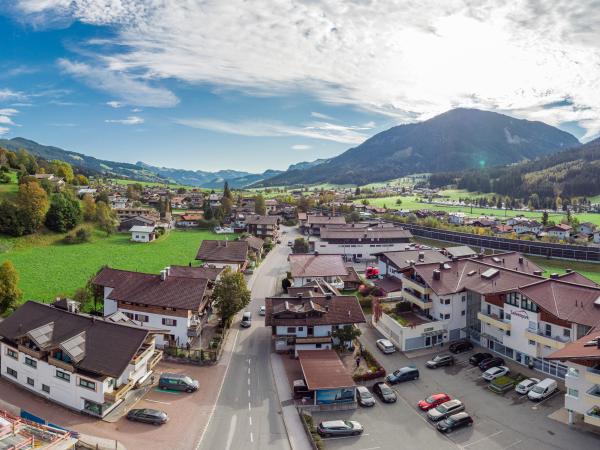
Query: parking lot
509	421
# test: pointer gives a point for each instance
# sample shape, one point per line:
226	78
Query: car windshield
431	399
450	421
348	424
442	408
187	380
538	389
385	389
365	394
437	358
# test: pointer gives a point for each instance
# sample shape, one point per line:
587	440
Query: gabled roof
261	220
210	273
255	243
310	265
365	233
223	250
324	220
148	289
586	349
97	345
343	309
142	229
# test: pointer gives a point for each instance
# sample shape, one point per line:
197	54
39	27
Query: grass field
10	189
48	268
155	183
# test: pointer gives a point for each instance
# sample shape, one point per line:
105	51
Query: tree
10	294
545	218
63	169
89	207
354	217
398	201
64	213
230	294
259	205
357	191
81	180
346	334
106	218
227	192
134	191
226	206
32	202
208	212
300	245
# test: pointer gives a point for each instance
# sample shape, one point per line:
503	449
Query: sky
261	84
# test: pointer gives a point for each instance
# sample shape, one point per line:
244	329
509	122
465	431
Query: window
573	372
447	316
548	330
464	298
531	342
463	312
441	316
10	352
291	330
489	309
573	393
169	322
318	345
141	317
11	372
508	332
30	381
532	326
507	316
300	328
441	301
31	362
130	315
87	384
447	301
46	388
566	333
63	376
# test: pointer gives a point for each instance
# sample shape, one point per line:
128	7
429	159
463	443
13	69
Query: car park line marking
214	407
248	392
371	448
547	398
513	444
482	439
248	370
156	401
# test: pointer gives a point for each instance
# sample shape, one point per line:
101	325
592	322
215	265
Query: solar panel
490	273
42	335
75	346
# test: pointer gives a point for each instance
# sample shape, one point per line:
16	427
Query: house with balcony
307	267
262	226
224	253
314	223
309	322
582	379
82	362
177	301
527	226
561	231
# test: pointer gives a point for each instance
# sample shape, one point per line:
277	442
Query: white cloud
5	120
115	104
406	59
8	111
258	128
7	94
131	120
319	115
301	147
4	130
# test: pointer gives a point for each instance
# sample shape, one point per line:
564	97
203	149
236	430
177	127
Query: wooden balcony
118	393
60	364
31	352
421	302
142	353
493	320
158	354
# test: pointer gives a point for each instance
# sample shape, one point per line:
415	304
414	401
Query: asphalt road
501	422
248	414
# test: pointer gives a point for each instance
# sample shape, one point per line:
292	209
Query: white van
385	346
543	389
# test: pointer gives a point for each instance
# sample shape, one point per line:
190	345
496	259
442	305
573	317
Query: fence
536	248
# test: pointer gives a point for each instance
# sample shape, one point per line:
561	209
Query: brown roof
388	284
460	251
352	276
365	233
343	309
148	289
108	346
192	217
302	216
255	243
324	220
575	277
209	273
261	220
585	349
402	259
310	265
323	369
223	250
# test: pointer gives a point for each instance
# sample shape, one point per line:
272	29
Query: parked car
495	372
526	385
246	319
445	410
364	396
543	389
462	419
177	382
301	390
403	374
433	401
146	415
290	244
385	346
339	428
478	358
384	392
439	361
491	362
460	346
262	310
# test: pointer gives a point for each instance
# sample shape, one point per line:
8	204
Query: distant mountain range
458	139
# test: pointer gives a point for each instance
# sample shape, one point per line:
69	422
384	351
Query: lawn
10	189
48	268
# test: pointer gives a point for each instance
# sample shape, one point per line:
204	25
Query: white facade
408	338
141	236
582	392
334	281
364	250
560	234
597	237
525	227
456	218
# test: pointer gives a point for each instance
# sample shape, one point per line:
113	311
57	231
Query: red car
433	401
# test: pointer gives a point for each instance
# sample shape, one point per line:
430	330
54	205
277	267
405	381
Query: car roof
453	402
460	415
333	423
362	389
385	341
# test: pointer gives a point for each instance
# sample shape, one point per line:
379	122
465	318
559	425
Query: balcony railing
31	352
557	342
194	329
158	354
592	374
494	320
60	364
421	302
143	352
592	416
119	393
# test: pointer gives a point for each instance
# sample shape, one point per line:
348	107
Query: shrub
80	236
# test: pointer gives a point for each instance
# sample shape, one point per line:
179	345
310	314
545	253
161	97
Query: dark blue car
403	374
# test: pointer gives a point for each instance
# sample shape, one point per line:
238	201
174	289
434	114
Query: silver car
526	385
364	396
339	428
445	410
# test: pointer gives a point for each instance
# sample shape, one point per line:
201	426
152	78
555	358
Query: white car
495	372
262	310
526	385
385	346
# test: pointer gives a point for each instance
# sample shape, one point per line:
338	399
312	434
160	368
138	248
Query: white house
530	226
596	237
456	218
307	267
587	228
224	253
82	362
140	233
560	231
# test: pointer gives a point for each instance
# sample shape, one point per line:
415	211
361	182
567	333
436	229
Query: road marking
251	437
513	444
248	381
547	398
482	439
248	392
250	420
249	406
156	401
214	407
371	448
231	432
248	370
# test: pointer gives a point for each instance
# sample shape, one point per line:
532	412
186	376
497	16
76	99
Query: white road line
248	370
482	439
251	437
214	407
248	381
371	448
513	444
547	398
231	431
250	420
249	406
248	392
156	401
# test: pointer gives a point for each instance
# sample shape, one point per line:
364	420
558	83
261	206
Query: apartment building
263	226
314	223
82	362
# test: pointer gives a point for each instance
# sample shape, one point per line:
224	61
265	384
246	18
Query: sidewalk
293	424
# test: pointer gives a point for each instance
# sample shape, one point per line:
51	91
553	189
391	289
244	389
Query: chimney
168	270
163	275
554	276
436	274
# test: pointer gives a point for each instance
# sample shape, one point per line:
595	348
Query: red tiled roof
581	349
310	265
324	220
210	273
577	278
226	251
323	369
365	233
343	309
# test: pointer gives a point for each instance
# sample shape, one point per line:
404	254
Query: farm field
155	183
48	268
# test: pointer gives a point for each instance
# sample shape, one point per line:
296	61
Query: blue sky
228	85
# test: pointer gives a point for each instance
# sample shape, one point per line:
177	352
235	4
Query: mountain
210	180
457	139
569	173
307	164
87	163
